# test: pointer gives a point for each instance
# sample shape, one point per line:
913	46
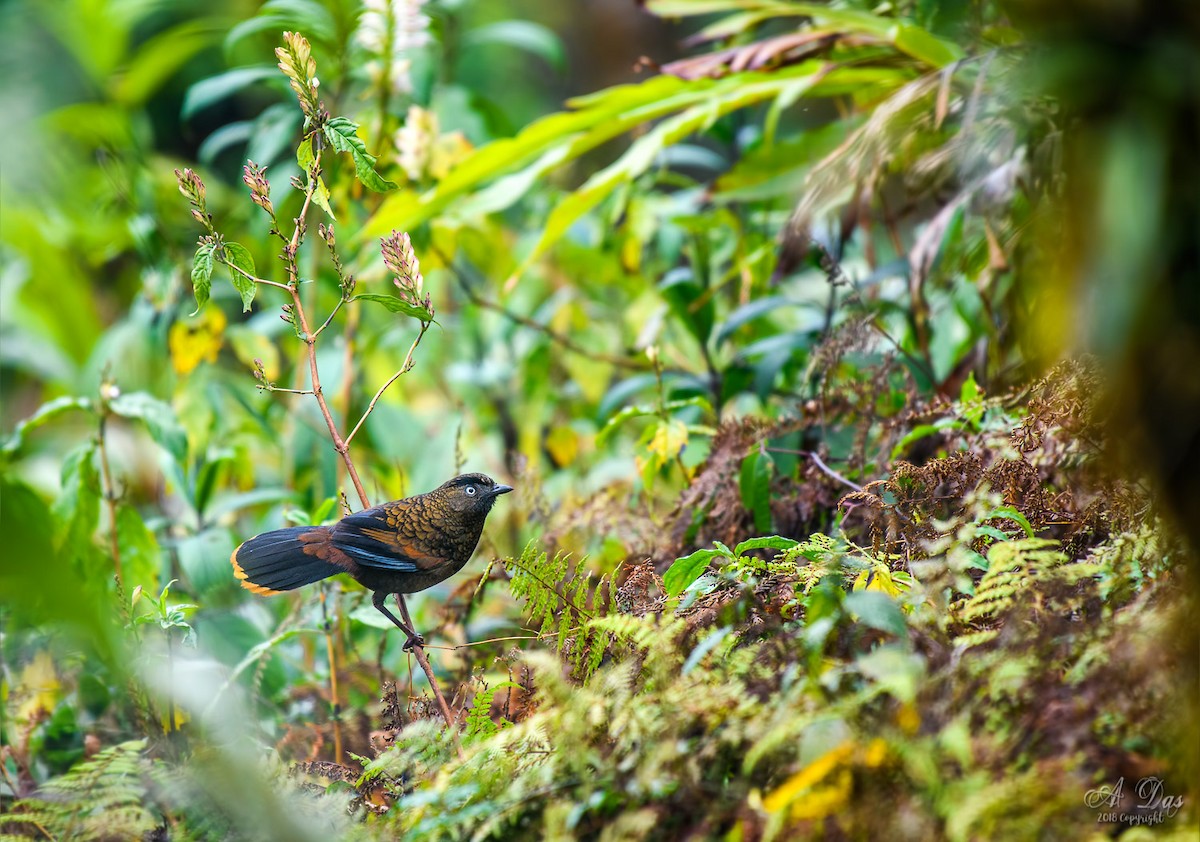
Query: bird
400	547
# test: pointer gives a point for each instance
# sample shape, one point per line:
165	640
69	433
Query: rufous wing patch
421	559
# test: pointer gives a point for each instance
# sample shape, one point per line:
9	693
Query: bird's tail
283	559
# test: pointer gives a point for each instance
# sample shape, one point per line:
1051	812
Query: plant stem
110	496
423	660
333	682
408	364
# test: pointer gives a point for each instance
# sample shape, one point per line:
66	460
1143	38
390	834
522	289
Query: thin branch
256	279
825	469
423	659
332	313
566	342
287	391
408	364
486	642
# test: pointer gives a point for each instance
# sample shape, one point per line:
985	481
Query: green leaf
140	554
710	642
767	542
369	615
925	47
688	301
923	430
237	255
159	418
45	413
524	35
395	305
342	135
304	153
215	88
755	484
894	669
970	399
77	508
684	571
321	197
159	58
877	610
1012	514
202	269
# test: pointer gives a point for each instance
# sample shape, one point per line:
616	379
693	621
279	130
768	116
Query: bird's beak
501	489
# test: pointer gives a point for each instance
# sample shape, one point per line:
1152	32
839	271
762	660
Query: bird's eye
471	490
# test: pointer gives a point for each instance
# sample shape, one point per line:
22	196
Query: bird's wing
371	538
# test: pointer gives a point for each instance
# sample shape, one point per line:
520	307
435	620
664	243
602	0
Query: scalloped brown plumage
400	547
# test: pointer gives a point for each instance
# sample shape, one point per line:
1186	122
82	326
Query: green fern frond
562	602
1014	566
100	798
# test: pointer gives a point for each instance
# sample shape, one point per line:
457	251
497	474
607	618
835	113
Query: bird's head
472	493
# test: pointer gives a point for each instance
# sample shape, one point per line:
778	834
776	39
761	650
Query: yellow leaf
668	441
825	784
908	719
877	578
876	753
180	718
196	340
562	443
40	683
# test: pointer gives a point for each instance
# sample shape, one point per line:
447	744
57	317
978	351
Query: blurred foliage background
842	355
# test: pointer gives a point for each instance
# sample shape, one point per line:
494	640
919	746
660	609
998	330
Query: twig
419	653
329	319
569	344
408	364
288	391
255	279
828	471
485	642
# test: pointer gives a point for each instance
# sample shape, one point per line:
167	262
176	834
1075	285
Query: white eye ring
471	490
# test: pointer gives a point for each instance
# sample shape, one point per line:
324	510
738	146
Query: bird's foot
414	639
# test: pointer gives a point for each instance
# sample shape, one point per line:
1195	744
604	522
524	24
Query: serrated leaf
395	305
202	269
237	257
343	136
159	418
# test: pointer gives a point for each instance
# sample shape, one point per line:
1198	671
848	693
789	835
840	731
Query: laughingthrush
400	547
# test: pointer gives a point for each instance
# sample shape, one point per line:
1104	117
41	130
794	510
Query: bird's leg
420	639
414	639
